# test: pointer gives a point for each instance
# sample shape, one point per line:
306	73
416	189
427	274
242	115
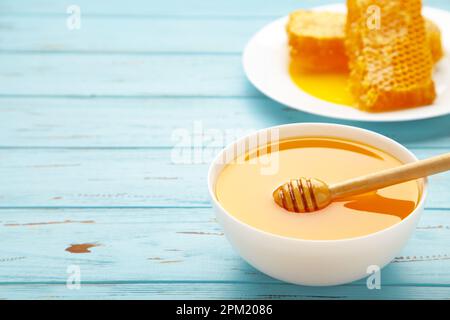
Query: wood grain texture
136	122
178	244
38	74
205	291
127	178
112	36
88	124
195	9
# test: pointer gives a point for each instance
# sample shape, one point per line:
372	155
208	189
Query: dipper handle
378	180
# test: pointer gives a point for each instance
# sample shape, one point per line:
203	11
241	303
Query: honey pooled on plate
244	189
319	60
329	86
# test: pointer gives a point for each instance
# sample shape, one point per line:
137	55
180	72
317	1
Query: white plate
266	60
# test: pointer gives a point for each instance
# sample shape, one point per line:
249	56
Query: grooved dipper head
303	195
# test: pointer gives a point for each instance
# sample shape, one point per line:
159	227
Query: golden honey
331	86
316	40
390	61
320	62
244	189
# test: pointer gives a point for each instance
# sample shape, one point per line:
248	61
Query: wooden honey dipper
308	195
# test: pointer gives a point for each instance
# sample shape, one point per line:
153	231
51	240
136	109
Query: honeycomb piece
318	45
390	60
316	40
434	40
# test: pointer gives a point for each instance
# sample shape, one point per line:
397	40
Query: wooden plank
54	156
192	8
208	291
126	177
49	33
170	245
122	75
99	35
196	8
68	122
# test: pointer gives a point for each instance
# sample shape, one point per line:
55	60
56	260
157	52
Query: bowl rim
211	186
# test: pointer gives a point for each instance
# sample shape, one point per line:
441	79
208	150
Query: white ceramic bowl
317	262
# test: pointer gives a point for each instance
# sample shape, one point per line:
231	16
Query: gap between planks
206	206
268	283
120	52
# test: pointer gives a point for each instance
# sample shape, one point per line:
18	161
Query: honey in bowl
244	189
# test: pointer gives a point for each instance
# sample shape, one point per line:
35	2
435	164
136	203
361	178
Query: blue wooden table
88	123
